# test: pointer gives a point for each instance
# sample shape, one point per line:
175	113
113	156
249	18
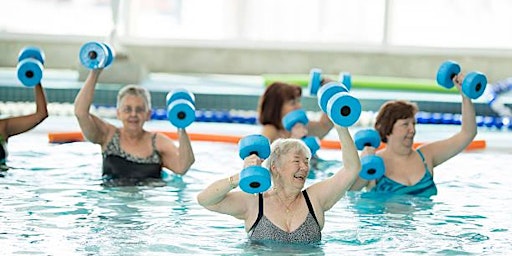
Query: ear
148	115
118	113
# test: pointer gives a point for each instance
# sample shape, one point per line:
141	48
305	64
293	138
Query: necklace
289	205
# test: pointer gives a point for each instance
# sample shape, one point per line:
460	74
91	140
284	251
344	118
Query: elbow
184	169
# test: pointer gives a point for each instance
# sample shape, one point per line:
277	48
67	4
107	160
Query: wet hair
272	101
281	147
390	112
134	90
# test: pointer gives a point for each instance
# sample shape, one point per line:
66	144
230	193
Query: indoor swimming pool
52	203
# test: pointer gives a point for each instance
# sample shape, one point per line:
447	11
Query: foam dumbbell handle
366	137
315	80
179	93
446	72
473	85
181	113
372	167
326	92
93	55
31	52
343	109
346	80
313	144
30	72
294	117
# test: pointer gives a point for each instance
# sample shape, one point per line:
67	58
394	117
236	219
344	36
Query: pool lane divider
68	137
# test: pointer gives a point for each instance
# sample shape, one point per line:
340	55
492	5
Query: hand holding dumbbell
372	166
473	85
297	117
30	66
341	107
254	178
96	55
180	108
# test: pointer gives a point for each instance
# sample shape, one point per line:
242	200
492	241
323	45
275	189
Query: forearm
85	96
351	161
41	104
186	154
217	191
468	125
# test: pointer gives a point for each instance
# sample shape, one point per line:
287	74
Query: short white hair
282	147
134	90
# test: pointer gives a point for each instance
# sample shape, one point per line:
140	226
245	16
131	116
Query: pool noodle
368	82
66	137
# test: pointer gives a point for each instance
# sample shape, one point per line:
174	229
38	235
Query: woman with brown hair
409	170
280	99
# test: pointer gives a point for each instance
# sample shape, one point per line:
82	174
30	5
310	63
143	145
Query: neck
132	135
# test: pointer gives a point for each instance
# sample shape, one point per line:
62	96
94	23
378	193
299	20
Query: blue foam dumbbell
342	108
254	179
315	80
372	166
30	66
96	55
180	107
299	116
473	85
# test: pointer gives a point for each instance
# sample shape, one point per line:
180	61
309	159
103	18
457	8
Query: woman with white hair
287	213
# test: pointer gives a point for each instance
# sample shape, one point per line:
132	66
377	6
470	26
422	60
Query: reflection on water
53	193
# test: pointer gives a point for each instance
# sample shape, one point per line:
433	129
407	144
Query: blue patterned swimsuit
264	230
425	187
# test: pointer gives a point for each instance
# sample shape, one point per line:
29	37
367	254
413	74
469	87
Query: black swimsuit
123	169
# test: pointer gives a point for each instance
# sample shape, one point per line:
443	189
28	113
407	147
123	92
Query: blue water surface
52	204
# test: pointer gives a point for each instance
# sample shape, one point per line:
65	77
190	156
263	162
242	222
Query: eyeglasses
129	109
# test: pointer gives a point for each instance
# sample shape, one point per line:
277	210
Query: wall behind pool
254	59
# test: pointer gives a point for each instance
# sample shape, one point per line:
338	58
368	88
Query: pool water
52	204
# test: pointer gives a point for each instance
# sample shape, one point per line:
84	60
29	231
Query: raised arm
218	196
442	150
331	190
361	183
178	159
20	124
93	128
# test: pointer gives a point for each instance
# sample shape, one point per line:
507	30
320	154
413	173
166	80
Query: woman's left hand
299	131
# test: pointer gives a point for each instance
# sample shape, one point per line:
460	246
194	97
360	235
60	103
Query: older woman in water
287	213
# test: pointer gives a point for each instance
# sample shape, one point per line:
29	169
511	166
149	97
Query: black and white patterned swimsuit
122	168
264	230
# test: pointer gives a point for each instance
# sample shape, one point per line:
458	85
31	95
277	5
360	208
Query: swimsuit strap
260	211
310	206
153	142
423	159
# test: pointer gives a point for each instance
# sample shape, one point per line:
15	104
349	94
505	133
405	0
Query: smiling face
289	163
133	112
133	106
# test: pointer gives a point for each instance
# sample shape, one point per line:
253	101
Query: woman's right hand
251	160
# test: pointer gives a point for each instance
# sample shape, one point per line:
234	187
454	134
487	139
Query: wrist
232	183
